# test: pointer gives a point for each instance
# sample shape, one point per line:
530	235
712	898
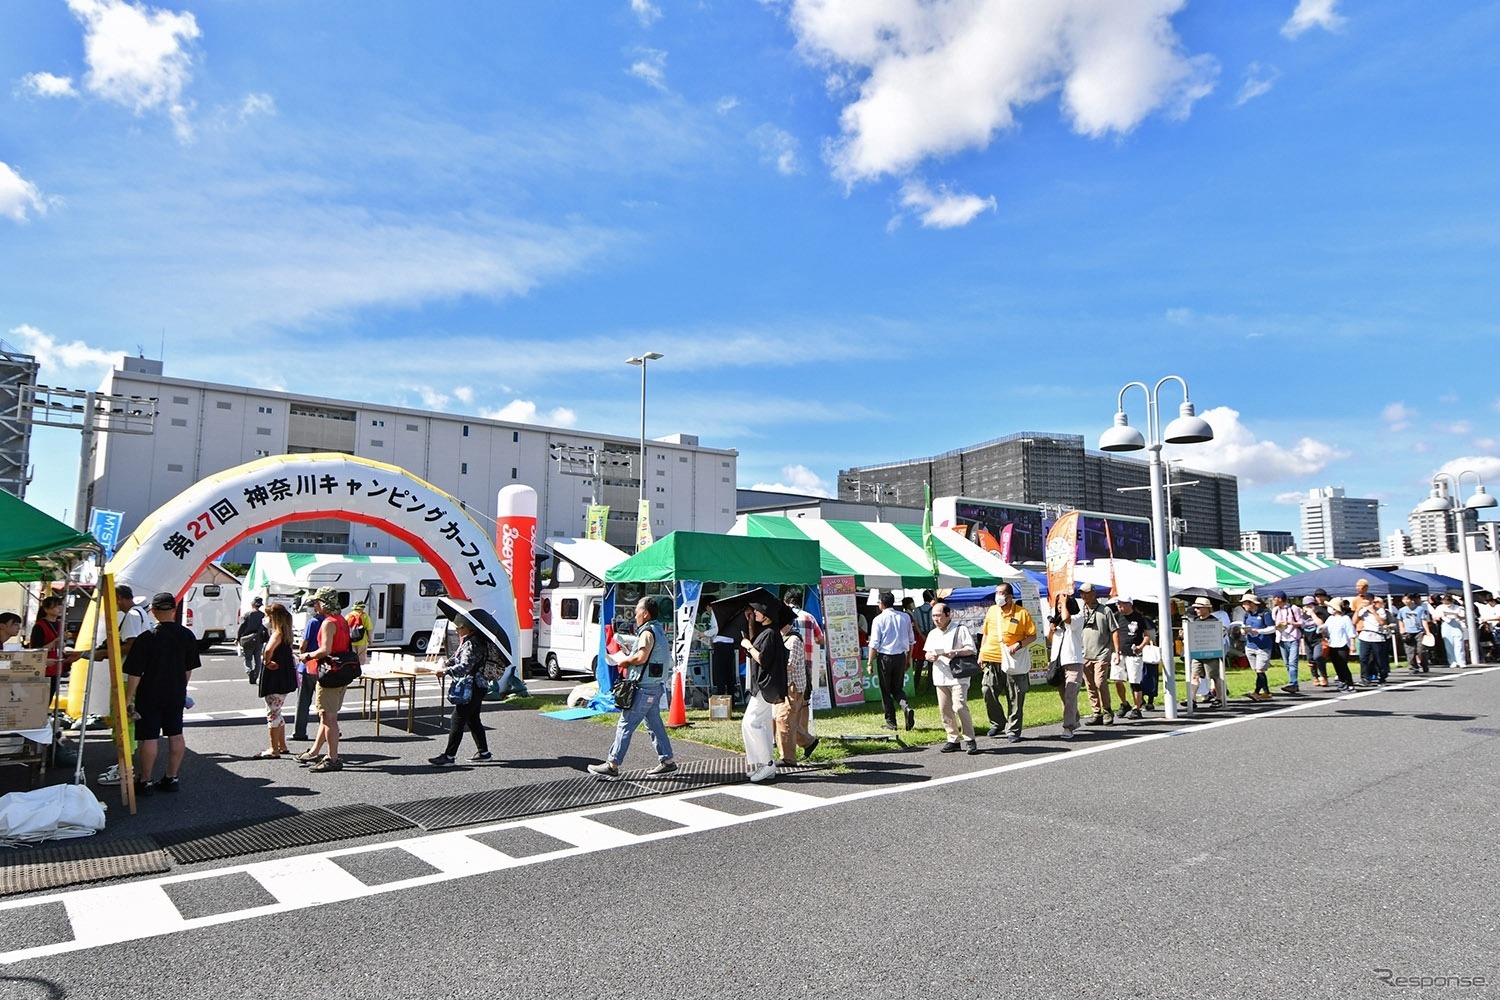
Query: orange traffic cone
677	714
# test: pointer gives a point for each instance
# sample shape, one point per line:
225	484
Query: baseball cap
1309	599
164	601
257	603
1124	599
1087	588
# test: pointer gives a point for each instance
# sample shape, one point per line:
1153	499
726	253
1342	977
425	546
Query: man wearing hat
1134	632
252	637
158	667
1208	661
1288	618
1259	630
360	627
333	638
1101	647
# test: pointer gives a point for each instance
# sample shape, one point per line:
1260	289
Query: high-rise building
1435	530
204	427
1055	470
1274	542
1397	545
17	375
1337	526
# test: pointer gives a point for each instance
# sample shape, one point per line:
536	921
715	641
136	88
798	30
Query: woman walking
474	653
278	677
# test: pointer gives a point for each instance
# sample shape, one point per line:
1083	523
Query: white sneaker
110	777
764	773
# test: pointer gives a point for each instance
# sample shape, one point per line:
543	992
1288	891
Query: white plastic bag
57	812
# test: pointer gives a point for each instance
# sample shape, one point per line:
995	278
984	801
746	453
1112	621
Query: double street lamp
641	360
1444	500
1188	428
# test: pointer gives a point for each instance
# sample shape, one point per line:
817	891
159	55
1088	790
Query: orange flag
1062	553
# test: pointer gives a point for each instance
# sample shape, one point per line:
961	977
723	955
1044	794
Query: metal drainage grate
514	803
78	862
319	826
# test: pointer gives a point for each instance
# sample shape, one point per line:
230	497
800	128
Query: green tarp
36	546
696	555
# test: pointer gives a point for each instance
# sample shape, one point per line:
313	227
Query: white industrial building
203	428
1336	526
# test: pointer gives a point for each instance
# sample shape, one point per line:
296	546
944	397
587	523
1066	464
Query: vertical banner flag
841	628
1005	533
927	540
818	698
687	596
598	518
1062	552
643	525
104	525
1114	584
515	544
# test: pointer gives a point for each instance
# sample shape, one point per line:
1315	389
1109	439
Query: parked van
400	592
567	620
211	611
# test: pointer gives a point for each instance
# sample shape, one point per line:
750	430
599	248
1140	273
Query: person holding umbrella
766	674
475	652
652	654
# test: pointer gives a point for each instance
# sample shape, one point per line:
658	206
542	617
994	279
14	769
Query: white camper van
567	626
210	608
400	592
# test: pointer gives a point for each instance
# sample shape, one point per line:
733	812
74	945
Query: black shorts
156	722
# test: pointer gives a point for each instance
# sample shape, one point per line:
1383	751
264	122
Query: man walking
890	645
160	663
252	637
1288	619
1416	624
1101	646
1008	630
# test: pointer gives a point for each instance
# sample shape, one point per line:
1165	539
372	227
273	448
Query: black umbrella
729	612
1212	593
483	622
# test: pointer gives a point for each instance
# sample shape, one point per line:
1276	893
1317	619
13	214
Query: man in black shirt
158	667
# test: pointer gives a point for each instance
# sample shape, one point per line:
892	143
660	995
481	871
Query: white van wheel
419	643
554	669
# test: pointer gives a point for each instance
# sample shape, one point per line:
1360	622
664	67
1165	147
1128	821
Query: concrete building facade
1274	542
203	428
1337	526
1055	469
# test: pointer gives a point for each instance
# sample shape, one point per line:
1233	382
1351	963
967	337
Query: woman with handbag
1065	644
278	677
466	690
952	654
333	646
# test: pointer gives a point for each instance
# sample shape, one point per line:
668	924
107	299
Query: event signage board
842	631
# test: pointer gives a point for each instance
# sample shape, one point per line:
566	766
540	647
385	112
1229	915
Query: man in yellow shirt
1008	630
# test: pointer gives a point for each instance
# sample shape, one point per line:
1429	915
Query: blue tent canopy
1436	583
1341	580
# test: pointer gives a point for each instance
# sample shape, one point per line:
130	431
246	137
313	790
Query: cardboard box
24	690
720	706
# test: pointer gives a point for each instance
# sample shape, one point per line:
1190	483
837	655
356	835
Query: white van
211	611
567	619
400	592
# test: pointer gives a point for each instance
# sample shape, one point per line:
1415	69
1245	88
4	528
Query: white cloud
1487	444
645	11
1258	81
943	209
935	77
1293	498
1421	447
138	56
1488	467
1398	416
778	148
74	356
1313	14
1236	450
524	411
651	67
464	394
18	196
798	479
49	85
1460	427
726	104
257	105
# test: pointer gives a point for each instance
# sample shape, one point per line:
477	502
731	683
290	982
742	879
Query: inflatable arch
178	539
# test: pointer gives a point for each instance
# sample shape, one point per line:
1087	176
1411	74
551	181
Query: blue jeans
1291	654
646	709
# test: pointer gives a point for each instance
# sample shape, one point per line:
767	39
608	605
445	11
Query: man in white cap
1207	661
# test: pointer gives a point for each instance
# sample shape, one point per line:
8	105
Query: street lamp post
1447	501
641	360
1188	428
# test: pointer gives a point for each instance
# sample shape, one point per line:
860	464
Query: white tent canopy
1136	580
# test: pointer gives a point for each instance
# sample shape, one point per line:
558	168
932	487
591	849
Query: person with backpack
333	640
467	672
251	637
360	627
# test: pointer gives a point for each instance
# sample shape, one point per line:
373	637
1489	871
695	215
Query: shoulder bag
339	670
964	667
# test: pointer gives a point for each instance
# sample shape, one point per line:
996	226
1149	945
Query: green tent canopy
1232	569
697	555
37	546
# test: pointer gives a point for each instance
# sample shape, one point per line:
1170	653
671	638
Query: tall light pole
1188	428
1445	500
641	360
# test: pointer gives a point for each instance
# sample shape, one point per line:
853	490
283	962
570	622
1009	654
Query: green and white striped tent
1231	569
888	556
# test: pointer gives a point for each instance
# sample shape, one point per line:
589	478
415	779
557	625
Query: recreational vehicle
210	608
567	626
400	592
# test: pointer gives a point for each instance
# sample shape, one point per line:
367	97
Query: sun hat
328	597
1251	597
1203	602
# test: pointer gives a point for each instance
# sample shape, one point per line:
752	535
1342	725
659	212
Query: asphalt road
1294	853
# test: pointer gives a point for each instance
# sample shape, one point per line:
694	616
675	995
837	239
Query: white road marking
135	910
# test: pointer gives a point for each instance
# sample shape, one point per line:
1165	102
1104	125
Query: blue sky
859	230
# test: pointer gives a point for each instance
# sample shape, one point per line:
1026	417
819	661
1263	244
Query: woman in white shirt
944	642
1065	645
1339	630
1450	615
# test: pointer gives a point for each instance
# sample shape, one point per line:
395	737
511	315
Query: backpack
493	666
357	629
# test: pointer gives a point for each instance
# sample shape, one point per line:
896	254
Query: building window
411	427
180	400
377	443
723	479
512	472
723	465
263	431
173	467
463	468
221	404
515	436
377	423
179	422
660	506
661	489
723	510
661	472
263	409
466	430
682	458
262	453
